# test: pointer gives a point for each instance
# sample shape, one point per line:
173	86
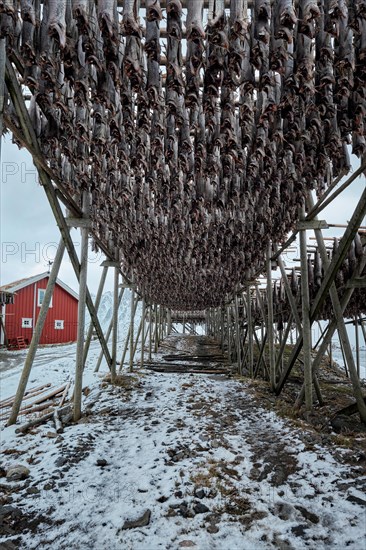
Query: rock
178	494
284	510
51	435
200	508
299	530
199	493
17	472
60	461
142	521
215	444
356	500
187	544
102	462
33	491
212	529
308	515
162	499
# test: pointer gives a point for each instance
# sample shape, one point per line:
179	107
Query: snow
163	437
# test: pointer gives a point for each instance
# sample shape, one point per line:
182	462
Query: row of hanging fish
353	266
197	133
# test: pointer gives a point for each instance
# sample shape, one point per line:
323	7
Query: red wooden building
19	318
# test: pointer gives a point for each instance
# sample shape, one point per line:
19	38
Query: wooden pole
237	332
143	315
328	279
96	305
270	320
306	323
114	325
338	313
357	346
139	330
132	327
222	331
156	338
2	87
169	314
108	333
250	333
229	333
127	342
81	313
37	334
31	139
150	331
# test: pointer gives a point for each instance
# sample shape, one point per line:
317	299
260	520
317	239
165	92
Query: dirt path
191	461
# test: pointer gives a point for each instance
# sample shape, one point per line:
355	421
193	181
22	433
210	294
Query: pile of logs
197	142
38	404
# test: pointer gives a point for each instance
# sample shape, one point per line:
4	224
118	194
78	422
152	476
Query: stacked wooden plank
37	401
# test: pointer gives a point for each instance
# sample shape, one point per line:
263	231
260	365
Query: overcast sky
29	234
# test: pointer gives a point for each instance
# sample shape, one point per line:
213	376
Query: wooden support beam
109	332
132	321
306	322
30	137
328	279
289	294
79	367
2	87
150	330
250	332
304	224
359	282
96	306
324	203
115	324
37	334
79	222
143	315
238	336
337	309
270	320
128	339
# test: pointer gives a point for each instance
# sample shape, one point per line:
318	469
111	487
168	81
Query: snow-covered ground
215	470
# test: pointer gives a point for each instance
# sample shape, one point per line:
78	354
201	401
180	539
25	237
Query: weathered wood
306	323
37	334
132	320
79	366
79	222
2	87
311	224
115	324
143	320
58	424
328	279
27	395
96	306
40	420
270	320
65	393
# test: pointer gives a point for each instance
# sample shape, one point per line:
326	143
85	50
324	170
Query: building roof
22	283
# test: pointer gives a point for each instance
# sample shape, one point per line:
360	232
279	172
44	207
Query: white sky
29	234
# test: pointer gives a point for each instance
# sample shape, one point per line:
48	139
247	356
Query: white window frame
27	322
61	327
39	302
